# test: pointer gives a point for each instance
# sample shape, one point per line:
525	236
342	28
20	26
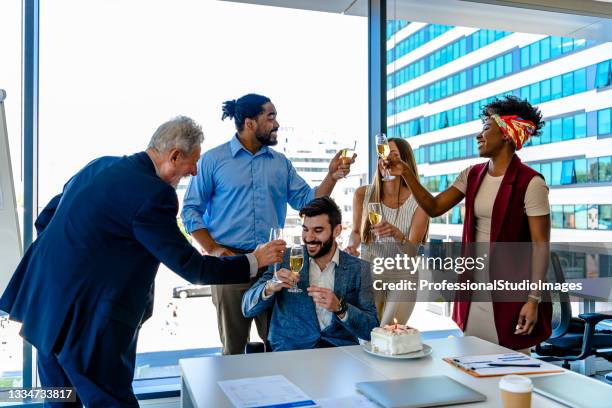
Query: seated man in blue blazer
83	288
336	305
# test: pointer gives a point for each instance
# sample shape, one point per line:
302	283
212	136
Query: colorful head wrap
515	129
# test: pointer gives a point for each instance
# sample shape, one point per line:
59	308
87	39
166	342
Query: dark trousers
100	367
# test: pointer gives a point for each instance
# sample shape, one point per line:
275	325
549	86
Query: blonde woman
403	222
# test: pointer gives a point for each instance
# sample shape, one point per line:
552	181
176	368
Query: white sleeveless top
399	217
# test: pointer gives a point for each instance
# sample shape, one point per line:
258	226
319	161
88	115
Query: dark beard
325	247
266	139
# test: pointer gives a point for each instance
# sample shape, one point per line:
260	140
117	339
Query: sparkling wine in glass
375	215
382	147
296	261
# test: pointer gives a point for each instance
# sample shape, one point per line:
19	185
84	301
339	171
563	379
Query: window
568	84
555	46
545	137
580	81
568	175
109	57
556	87
545	48
545	90
568	128
535	53
556	173
581	171
568	217
593	216
545	170
580	212
556	130
534	91
605	169
593	169
556	216
603	74
568	45
603	121
11	343
605	217
580	125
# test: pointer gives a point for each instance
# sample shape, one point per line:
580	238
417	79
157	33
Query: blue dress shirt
238	196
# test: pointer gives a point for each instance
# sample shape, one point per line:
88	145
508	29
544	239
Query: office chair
572	338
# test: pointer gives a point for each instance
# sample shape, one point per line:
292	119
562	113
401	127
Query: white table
333	372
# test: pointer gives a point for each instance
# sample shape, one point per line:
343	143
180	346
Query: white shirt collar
335	259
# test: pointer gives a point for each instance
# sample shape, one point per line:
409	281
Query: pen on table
512	365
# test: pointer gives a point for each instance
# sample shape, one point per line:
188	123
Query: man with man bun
241	192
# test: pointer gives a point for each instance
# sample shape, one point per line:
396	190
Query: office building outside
310	152
439	77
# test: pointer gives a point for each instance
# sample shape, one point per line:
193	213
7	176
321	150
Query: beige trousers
234	328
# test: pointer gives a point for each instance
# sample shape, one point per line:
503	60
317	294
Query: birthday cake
395	339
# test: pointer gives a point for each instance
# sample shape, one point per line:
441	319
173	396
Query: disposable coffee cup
515	391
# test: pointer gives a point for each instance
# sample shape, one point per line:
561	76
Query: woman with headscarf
505	201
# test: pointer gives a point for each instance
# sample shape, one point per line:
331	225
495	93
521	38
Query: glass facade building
436	91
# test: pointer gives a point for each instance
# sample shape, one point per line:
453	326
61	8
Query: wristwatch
343	308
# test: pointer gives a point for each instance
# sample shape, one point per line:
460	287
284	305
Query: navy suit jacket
294	323
101	242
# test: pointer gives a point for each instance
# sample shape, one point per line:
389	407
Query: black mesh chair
572	338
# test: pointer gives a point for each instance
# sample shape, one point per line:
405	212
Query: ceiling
590	19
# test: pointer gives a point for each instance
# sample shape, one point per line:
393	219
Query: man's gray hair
181	132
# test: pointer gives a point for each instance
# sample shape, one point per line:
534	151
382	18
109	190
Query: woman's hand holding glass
383	229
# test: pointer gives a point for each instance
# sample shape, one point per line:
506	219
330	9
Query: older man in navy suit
82	288
335	306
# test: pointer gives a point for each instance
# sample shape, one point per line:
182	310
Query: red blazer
508	224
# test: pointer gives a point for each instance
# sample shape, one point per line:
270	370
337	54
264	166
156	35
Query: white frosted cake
395	339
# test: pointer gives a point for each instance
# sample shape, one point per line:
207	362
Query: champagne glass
276	233
296	261
382	147
375	215
346	155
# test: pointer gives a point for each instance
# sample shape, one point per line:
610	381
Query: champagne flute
346	155
382	147
375	216
296	261
276	233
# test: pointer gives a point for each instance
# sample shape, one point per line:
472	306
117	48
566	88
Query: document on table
274	391
492	365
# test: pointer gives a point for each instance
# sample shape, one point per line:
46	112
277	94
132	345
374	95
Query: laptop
570	390
417	392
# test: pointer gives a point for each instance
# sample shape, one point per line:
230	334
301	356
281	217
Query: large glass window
605	169
110	96
605	217
11	344
568	128
556	216
603	121
603	75
580	129
580	212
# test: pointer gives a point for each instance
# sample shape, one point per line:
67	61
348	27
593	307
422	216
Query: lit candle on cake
395	321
